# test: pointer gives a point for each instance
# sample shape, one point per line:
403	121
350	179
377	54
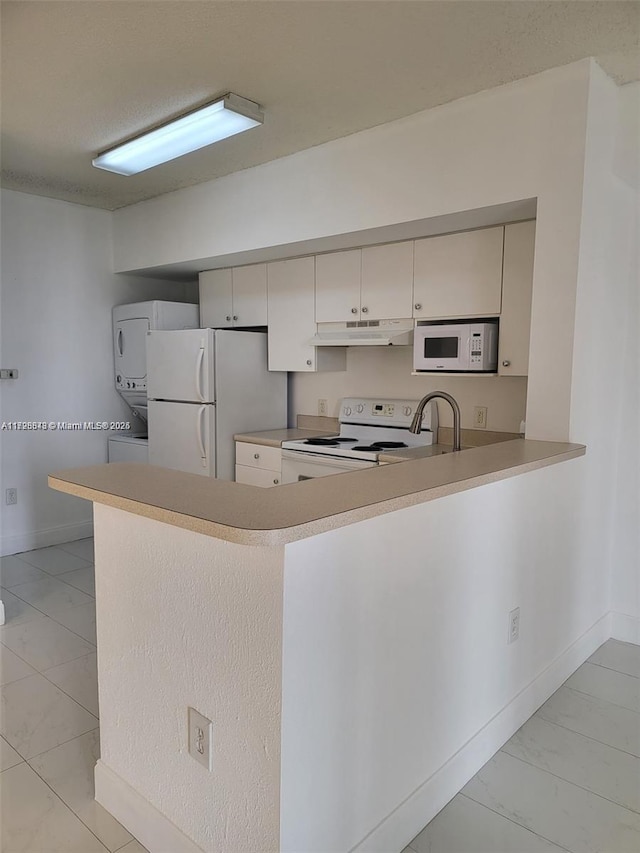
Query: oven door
441	347
297	466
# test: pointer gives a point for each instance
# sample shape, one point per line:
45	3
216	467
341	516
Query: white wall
395	653
380	371
56	299
519	141
197	623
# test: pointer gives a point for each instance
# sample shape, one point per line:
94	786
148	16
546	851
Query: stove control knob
359	408
347	410
407	410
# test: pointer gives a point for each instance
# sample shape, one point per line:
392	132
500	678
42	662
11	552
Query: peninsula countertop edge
250	515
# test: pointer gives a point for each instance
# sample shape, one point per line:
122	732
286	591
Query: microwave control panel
476	344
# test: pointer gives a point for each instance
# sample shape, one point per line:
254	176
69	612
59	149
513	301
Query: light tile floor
568	780
49	707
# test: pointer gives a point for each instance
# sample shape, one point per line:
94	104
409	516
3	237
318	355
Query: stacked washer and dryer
130	326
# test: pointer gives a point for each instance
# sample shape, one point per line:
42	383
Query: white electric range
368	427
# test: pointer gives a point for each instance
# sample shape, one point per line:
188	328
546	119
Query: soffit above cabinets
80	76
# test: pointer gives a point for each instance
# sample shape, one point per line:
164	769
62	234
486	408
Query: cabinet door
387	279
458	275
257	476
338	286
517	284
291	307
216	308
250	295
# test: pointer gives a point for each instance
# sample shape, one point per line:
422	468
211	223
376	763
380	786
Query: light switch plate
200	736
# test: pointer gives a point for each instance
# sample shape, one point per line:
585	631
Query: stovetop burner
380	445
328	442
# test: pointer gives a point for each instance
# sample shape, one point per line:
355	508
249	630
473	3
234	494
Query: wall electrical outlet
11	497
200	737
323	408
514	625
480	417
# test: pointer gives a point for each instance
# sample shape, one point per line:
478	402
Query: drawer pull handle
256	456
276	481
309	362
365	310
506	363
418	306
354	310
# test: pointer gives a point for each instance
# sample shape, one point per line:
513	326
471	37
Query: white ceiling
79	76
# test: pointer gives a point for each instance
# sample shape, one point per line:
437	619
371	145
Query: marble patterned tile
133	847
50	594
44	643
623	657
8	756
464	825
82	579
82	548
35	820
13	571
16	610
616	687
36	716
53	560
12	667
79	680
585	762
564	814
68	769
595	718
81	620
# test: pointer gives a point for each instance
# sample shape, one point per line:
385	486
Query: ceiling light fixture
227	116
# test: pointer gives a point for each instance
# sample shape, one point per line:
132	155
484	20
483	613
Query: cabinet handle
275	482
309	362
365	310
506	363
256	456
418	306
228	318
354	310
235	317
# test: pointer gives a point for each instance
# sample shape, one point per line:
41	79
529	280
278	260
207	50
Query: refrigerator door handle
199	363
200	434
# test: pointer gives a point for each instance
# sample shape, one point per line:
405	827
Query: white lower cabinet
258	465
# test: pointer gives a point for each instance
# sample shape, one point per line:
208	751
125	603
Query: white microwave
456	347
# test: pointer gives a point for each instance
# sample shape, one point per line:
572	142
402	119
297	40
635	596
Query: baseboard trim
16	544
625	628
143	820
406	821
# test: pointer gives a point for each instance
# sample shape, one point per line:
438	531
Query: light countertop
253	516
275	437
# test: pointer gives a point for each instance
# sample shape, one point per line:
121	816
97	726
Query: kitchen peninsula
333	631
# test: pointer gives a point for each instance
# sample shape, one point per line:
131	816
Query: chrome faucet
416	423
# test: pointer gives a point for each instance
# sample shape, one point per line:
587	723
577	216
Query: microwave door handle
199	363
200	435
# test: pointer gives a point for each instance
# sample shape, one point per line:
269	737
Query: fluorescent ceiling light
225	117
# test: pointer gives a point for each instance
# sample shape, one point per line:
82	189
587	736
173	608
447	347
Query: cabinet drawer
257	476
258	456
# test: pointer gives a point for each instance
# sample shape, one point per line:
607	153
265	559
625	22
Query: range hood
364	333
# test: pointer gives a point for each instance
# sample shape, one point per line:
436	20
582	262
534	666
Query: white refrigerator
204	386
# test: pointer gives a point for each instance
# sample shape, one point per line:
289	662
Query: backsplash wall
386	372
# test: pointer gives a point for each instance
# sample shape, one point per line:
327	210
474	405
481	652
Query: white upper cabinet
292	324
387	279
338	276
234	297
458	275
515	319
216	300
